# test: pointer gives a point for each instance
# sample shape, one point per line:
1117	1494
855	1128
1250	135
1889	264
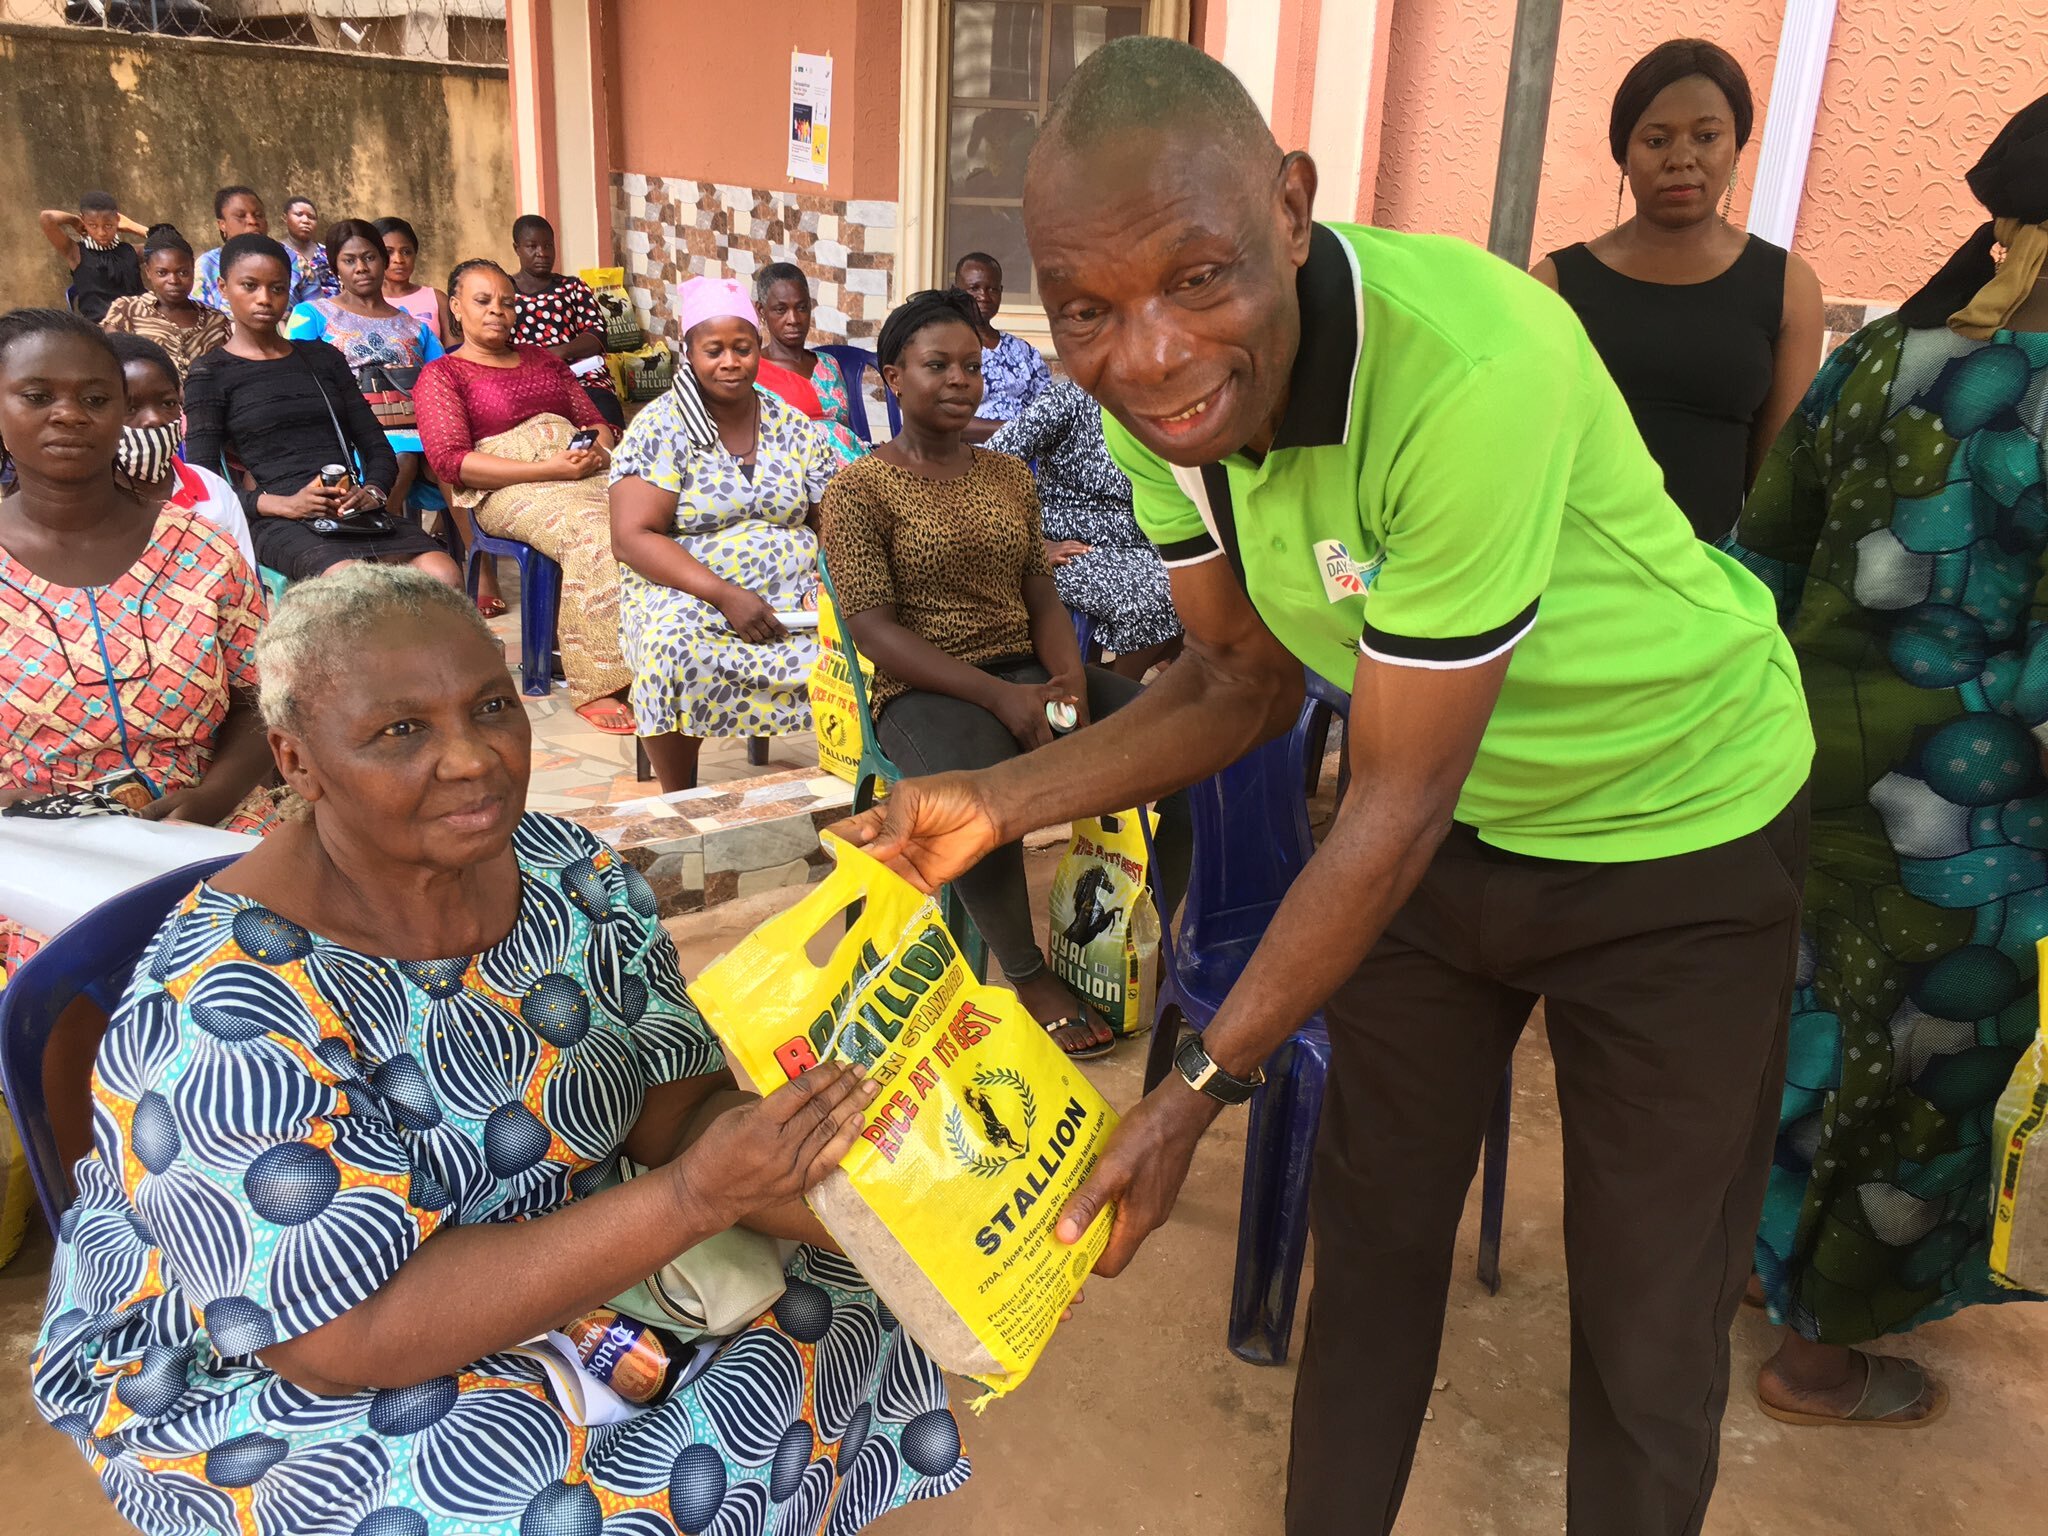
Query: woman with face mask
127	628
146	460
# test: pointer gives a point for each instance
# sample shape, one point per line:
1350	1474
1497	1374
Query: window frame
927	94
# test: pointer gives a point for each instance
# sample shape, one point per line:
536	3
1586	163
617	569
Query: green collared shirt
1456	476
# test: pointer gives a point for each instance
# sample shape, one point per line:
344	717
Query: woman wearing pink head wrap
714	499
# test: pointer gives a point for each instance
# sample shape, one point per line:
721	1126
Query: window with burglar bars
1007	60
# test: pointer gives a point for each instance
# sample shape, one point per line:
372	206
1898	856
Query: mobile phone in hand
583	441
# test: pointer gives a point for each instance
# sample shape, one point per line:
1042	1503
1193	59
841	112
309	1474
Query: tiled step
700	847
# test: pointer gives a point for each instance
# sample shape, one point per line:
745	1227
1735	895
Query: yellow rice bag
981	1132
2019	1188
833	711
1105	929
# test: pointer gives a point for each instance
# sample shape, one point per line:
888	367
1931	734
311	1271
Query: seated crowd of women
383	941
689	544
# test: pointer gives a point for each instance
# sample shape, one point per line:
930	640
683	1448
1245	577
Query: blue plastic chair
855	362
274	583
1084	635
540	597
1251	839
91	959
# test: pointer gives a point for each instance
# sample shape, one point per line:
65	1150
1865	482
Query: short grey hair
1136	83
320	623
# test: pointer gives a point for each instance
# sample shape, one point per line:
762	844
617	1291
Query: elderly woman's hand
775	1149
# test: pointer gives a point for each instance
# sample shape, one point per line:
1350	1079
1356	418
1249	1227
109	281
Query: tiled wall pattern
669	229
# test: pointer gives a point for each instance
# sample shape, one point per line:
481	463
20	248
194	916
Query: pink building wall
1914	90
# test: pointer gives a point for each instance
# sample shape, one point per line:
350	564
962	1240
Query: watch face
1203	1075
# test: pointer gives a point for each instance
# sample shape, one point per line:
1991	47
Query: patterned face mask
144	454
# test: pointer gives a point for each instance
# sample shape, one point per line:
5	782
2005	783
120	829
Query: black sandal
1080	1021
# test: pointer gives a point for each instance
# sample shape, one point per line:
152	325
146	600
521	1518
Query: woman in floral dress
714	494
356	1138
1900	521
372	333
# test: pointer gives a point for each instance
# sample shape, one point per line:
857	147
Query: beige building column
560	125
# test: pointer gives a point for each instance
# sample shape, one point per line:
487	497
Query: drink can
634	1360
1061	716
332	475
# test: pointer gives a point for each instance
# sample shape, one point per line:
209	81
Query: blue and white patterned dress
280	1122
1012	374
691	672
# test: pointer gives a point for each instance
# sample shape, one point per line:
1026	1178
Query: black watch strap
1204	1076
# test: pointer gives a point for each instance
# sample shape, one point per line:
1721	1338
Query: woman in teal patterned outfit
1901	521
356	1133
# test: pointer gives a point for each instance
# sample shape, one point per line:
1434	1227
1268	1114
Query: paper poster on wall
810	115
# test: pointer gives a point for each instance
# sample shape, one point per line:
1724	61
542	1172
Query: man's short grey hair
1137	83
320	625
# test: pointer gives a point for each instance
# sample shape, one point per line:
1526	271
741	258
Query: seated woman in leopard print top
939	563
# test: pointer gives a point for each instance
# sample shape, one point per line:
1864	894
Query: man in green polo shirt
1578	751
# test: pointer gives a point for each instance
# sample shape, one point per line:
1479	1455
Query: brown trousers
1666	986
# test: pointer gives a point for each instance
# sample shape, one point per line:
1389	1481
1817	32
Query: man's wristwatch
1204	1076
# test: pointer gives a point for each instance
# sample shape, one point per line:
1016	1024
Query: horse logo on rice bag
980	1134
1105	929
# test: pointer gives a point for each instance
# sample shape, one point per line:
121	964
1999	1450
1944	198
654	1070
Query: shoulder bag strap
348	453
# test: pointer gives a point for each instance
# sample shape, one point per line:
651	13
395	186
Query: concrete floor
1139	1421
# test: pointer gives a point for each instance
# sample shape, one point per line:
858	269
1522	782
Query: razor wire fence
445	31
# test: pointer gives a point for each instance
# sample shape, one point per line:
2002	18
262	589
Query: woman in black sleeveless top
1712	334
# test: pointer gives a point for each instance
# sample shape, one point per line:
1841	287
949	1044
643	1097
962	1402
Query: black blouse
270	414
1694	361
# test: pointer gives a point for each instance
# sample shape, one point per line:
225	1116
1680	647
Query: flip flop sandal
1891	1385
490	607
1086	1052
598	725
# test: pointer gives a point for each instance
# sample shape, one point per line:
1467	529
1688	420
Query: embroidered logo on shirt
1343	576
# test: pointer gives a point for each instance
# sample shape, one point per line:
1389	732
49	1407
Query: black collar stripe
1188	551
1223	518
1449	653
1319	389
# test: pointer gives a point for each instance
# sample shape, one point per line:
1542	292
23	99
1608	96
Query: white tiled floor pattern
575	766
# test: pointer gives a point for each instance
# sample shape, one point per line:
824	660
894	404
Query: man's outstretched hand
1141	1171
929	830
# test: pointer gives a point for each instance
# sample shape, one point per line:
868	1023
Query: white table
53	872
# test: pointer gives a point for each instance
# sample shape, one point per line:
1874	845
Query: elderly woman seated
357	1131
127	620
714	504
938	560
520	452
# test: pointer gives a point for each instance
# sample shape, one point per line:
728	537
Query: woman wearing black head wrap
1901	522
1709	331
